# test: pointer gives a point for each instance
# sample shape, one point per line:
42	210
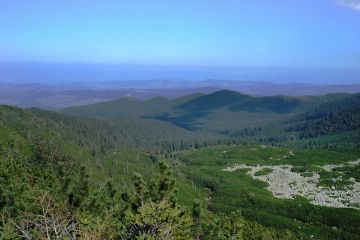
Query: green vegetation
237	191
263	172
278	120
131	169
45	194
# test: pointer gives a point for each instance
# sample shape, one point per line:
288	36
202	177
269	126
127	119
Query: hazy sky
257	33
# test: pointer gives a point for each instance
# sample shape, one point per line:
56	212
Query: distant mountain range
75	94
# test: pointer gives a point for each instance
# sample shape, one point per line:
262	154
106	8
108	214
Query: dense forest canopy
152	169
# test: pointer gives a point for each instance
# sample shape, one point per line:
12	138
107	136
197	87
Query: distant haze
72	73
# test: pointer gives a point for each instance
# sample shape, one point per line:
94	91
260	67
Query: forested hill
81	174
335	116
65	176
234	101
242	117
129	107
224	99
103	134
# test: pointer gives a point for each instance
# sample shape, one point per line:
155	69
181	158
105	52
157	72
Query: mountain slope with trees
46	193
135	177
231	114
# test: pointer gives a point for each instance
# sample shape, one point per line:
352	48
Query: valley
286	166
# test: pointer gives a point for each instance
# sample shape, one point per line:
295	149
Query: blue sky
236	33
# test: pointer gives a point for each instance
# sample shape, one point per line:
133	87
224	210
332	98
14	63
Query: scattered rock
283	183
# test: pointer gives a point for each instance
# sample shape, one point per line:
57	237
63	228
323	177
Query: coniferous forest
88	174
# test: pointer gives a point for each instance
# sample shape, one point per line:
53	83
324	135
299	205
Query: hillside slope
335	116
128	107
41	152
241	117
104	133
